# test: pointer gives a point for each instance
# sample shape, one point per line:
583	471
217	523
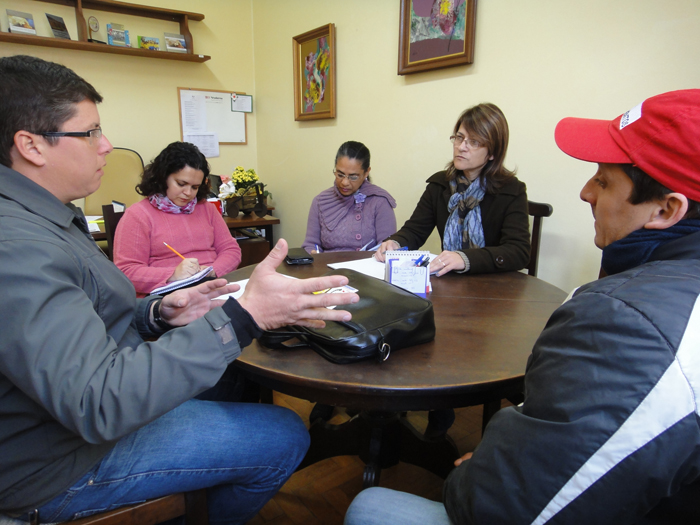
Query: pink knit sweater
139	251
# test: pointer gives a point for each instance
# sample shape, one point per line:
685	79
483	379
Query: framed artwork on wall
434	34
314	74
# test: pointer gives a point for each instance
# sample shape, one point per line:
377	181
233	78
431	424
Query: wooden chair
192	505
537	210
111	219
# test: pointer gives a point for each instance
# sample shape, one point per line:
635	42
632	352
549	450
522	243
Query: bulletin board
206	111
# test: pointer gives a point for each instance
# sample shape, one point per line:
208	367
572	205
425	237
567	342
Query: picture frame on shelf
430	38
315	74
175	43
20	23
58	26
117	35
149	42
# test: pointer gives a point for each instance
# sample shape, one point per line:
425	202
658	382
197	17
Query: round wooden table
486	326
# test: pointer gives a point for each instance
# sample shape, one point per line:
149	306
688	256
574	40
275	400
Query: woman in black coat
478	206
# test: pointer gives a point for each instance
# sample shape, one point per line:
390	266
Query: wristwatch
163	325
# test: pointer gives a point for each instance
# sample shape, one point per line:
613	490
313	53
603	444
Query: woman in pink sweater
174	211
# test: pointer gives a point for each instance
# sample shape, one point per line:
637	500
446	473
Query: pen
374	248
318	250
173	249
419	261
364	248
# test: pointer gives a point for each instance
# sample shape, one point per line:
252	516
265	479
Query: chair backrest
537	210
111	219
121	175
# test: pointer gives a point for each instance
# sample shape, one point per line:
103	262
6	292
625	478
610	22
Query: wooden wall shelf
112	6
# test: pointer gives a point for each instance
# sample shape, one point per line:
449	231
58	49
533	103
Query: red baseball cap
661	136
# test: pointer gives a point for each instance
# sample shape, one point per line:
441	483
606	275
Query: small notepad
401	270
183	283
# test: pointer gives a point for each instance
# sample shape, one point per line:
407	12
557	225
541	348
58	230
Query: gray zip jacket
75	372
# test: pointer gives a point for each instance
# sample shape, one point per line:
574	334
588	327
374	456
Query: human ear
29	148
671	209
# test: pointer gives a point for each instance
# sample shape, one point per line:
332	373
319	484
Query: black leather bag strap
276	339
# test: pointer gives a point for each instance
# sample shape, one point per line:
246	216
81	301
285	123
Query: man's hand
184	306
274	300
386	246
464	458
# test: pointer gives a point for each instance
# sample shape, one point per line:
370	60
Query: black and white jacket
609	431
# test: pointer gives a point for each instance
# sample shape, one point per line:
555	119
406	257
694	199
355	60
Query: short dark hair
647	189
354	151
37	96
173	158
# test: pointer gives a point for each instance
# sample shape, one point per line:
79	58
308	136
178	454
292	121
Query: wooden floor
322	492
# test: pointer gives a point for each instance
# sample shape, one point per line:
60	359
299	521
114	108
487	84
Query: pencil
173	249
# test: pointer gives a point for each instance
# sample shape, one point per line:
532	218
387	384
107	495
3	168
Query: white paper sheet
369	266
208	143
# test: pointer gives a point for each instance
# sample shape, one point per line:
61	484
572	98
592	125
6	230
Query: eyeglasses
341	176
458	139
91	133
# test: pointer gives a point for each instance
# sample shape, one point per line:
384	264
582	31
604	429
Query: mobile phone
298	256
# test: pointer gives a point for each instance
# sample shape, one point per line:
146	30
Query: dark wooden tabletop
485	329
250	221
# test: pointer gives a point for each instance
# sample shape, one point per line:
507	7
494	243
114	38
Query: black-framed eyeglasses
341	176
471	143
91	133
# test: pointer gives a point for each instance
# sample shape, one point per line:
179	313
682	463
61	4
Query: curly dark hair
173	158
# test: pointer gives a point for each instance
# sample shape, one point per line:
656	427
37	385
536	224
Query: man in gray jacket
92	415
610	428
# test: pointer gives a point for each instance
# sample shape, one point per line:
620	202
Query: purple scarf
334	206
162	203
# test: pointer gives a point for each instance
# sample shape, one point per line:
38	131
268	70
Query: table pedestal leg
381	440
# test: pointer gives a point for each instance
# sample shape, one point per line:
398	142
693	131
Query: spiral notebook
408	270
183	283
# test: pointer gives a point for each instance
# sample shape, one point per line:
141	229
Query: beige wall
140	108
539	60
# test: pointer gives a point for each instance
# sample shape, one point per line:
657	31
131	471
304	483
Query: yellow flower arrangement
244	180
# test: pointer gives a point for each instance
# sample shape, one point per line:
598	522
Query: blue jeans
243	453
379	506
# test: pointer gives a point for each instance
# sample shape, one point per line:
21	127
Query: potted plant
240	191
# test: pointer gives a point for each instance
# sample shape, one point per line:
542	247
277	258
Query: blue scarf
463	228
636	249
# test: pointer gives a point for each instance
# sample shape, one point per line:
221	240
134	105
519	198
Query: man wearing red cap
610	428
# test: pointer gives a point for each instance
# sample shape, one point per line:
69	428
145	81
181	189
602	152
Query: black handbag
386	318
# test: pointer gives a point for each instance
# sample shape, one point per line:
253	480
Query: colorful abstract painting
437	28
317	59
314	74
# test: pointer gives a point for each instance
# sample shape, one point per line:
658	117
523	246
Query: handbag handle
276	339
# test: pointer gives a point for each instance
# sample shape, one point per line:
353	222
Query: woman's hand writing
185	269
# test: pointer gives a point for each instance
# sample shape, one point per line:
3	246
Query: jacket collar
687	247
510	187
28	194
